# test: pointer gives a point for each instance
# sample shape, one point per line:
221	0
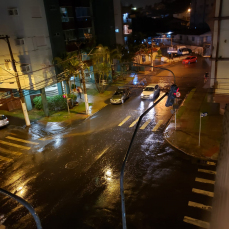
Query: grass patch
92	92
186	102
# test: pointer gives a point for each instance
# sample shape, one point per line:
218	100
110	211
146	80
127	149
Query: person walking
79	90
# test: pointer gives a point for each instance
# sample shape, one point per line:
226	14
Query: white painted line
197	205
207	171
145	124
211	163
158	125
133	123
204	181
196	222
206	193
15	145
22	140
5	159
120	124
10	152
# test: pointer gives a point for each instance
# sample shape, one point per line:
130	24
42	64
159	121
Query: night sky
139	3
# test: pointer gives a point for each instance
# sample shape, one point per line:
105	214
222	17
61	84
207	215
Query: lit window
117	30
20	41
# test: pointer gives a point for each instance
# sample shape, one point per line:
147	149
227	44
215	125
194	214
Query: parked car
3	120
151	91
189	59
120	95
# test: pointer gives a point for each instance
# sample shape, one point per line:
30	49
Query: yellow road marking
22	140
204	181
197	205
196	222
207	171
10	152
133	123
120	124
145	124
15	145
158	125
206	193
5	158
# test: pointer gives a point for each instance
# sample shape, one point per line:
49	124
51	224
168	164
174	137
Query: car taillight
7	119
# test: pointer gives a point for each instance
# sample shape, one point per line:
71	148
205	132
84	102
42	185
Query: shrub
72	96
37	102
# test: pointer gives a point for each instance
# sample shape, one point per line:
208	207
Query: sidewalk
186	135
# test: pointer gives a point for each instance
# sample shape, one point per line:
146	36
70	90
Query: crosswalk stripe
204	180
133	123
145	124
158	125
211	163
5	158
10	152
206	193
22	140
197	205
120	124
196	222
15	145
207	171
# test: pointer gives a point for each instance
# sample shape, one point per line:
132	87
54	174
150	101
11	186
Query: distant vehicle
121	95
3	120
189	60
151	91
183	51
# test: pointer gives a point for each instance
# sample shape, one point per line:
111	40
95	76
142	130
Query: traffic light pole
125	159
24	109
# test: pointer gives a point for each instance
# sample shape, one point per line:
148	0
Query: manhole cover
71	165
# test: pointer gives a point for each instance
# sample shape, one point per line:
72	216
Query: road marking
204	180
10	152
5	158
145	124
158	125
207	171
22	140
15	145
197	205
133	123
196	222
206	193
120	124
211	163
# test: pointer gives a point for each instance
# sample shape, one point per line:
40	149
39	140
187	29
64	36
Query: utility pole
84	88
24	109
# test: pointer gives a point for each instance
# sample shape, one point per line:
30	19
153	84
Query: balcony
68	25
84	24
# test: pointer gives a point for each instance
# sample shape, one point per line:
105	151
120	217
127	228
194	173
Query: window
8	65
56	34
117	30
25	68
193	38
69	35
40	41
82	12
13	11
20	41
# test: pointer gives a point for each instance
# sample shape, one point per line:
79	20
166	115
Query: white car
151	91
3	120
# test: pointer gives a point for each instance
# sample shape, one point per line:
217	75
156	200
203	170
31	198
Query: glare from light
108	172
189	10
135	8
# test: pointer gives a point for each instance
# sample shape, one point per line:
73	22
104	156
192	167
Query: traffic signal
172	95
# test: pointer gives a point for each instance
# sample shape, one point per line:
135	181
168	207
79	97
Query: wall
30	24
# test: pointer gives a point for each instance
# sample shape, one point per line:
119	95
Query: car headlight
142	94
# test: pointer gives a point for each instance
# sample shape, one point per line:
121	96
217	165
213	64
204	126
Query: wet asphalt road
71	177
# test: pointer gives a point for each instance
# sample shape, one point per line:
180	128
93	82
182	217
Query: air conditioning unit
13	11
25	68
20	41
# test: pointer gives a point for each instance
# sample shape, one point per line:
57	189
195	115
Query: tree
102	66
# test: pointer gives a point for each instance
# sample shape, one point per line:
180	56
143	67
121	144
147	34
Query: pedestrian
79	90
205	77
